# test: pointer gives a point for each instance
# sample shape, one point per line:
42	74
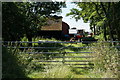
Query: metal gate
52	54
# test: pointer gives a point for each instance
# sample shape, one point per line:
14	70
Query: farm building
56	28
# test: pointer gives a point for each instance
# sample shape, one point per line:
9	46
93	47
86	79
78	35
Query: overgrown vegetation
54	71
102	16
28	65
31	65
106	61
11	67
25	19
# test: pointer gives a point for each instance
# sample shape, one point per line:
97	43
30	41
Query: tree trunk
29	39
106	12
111	31
104	31
94	29
116	23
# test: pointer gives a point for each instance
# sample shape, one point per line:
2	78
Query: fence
60	55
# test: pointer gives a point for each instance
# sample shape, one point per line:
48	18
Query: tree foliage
26	18
103	17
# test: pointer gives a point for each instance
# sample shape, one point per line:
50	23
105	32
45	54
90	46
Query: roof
56	26
54	23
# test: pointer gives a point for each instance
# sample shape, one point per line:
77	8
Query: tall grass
106	60
11	68
53	71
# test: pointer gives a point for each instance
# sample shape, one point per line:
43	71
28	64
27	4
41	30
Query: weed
106	60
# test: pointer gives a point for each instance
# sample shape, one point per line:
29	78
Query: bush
18	65
11	68
106	60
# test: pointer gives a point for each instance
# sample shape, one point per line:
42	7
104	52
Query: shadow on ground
10	66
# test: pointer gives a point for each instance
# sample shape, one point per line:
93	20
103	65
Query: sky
71	21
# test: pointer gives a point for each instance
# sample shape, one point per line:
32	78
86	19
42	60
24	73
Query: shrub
106	60
11	68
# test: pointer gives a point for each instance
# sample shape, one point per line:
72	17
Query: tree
26	18
99	14
12	22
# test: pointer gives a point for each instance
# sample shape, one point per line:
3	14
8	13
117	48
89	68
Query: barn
56	28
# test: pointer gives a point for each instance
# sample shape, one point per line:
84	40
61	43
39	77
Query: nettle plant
105	59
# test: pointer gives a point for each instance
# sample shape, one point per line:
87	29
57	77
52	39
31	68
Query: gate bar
42	41
52	52
70	57
68	61
67	64
84	67
42	47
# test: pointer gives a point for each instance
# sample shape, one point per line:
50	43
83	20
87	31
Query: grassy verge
11	68
60	70
34	69
105	61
